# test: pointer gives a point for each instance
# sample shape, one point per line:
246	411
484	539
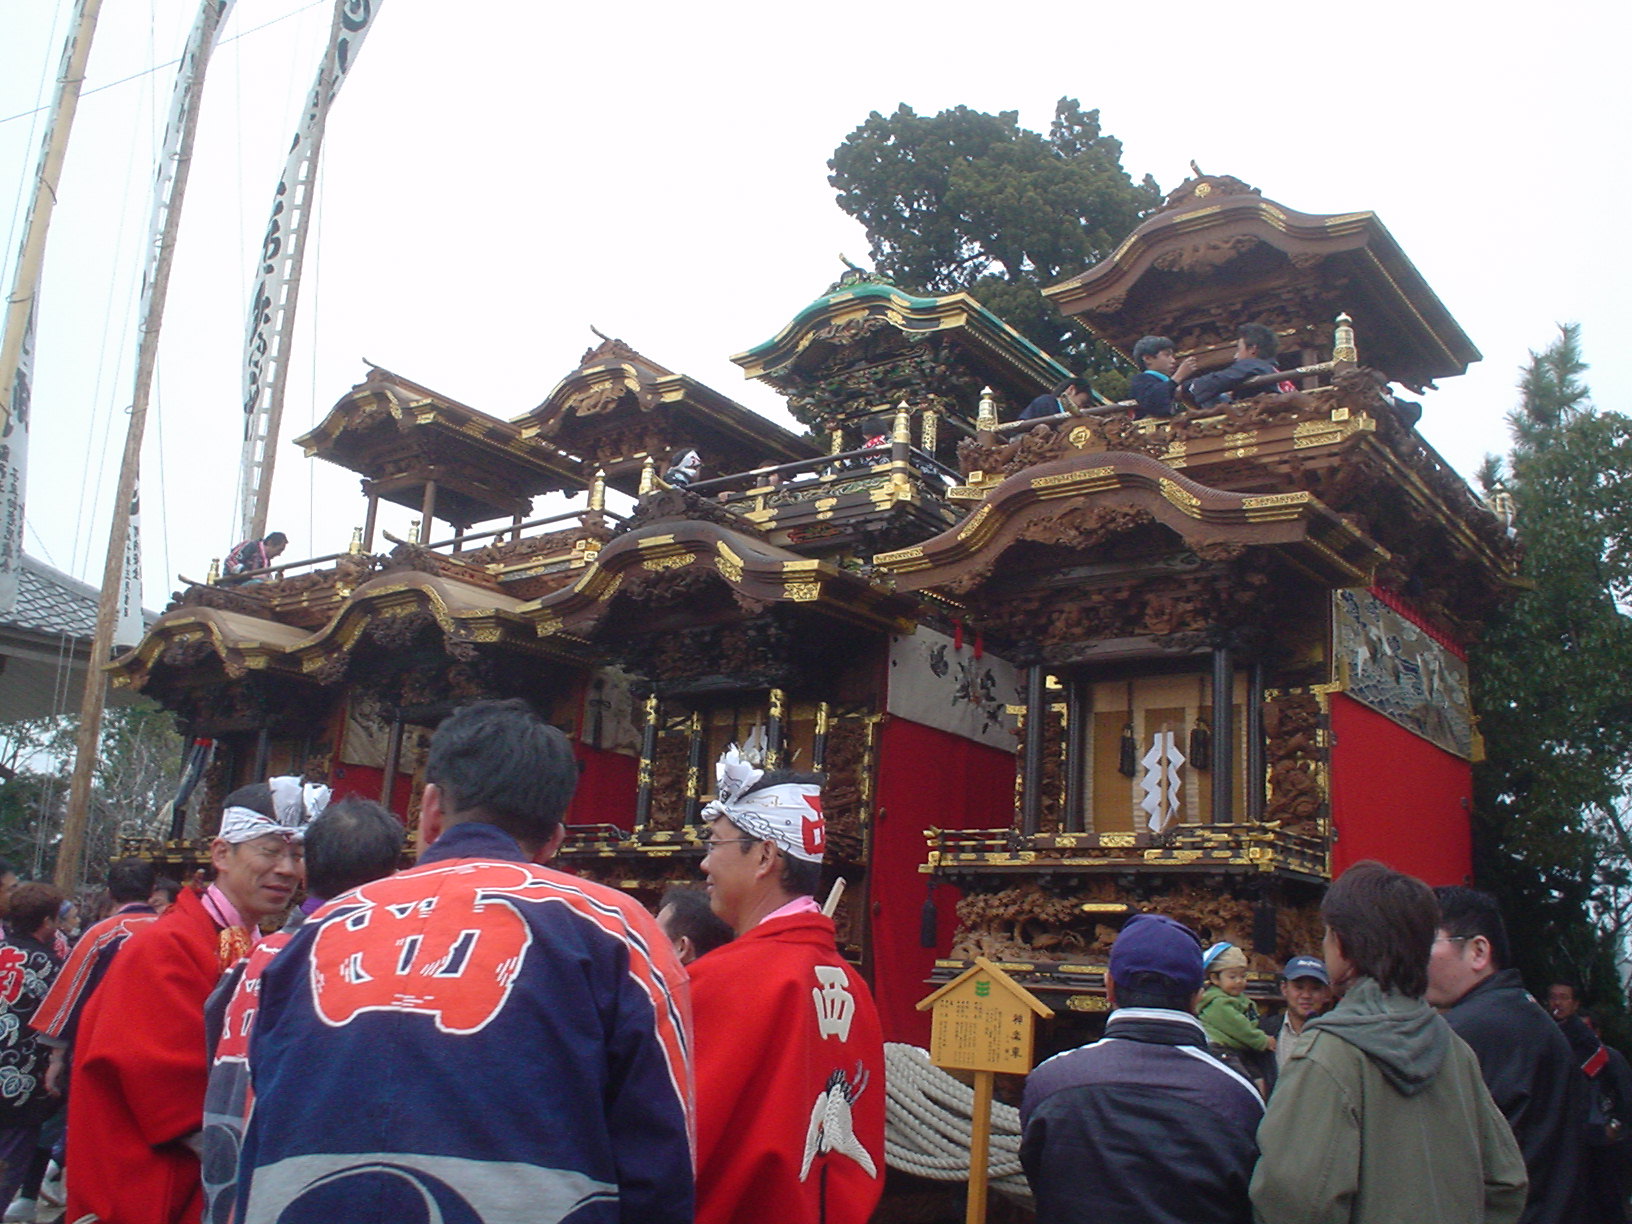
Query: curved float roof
1311	535
1217	243
958	314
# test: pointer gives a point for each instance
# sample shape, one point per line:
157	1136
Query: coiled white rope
928	1124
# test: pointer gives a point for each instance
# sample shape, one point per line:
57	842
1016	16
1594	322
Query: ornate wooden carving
669	782
505	551
845	796
1034	922
1297	796
757	653
1043	443
682	504
1203	190
1156	606
246	600
184	654
458	567
869	365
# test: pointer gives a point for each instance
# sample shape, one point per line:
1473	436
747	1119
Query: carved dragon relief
1297	797
1203	257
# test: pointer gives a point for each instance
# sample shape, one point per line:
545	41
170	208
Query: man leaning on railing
252	555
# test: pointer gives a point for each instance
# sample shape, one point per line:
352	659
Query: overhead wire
147	72
102	400
25	182
246	285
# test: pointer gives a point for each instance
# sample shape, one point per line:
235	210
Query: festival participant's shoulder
186	925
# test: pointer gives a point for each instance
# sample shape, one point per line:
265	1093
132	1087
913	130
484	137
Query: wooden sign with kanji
983	1020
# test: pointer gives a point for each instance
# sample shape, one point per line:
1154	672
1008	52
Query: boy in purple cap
1144	1126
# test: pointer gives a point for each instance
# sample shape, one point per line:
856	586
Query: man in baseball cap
1307	989
1102	1123
789	1052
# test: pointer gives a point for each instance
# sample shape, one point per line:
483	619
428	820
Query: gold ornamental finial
356	541
1343	350
597	490
648	476
986	422
214	575
903	423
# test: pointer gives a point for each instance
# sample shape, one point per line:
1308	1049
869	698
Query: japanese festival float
1056	672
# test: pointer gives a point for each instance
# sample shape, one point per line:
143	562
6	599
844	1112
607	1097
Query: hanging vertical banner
128	628
17	336
14	472
277	276
184	100
168	184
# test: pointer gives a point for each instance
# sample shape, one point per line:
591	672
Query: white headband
241	824
790	815
296	803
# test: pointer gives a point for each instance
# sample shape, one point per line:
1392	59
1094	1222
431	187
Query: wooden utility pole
167	218
31	258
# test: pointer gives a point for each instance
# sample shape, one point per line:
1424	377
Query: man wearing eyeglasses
137	1108
1524	1059
479	1037
790	1056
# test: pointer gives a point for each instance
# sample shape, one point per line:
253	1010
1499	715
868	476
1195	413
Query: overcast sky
498	177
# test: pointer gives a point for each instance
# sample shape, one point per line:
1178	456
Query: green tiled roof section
910	305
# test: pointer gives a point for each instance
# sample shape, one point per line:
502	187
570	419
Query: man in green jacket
1381	1115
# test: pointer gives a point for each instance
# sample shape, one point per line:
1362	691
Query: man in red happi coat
790	1056
130	884
140	1067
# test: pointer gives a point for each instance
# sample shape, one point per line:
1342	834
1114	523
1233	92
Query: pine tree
1553	685
964	200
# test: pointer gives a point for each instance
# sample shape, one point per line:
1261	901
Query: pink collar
799	905
226	913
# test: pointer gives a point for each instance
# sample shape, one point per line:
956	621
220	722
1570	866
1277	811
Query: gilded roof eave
1384	263
956	313
464	613
752	568
690	405
501	447
1297	524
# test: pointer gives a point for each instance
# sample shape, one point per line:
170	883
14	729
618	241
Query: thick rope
928	1124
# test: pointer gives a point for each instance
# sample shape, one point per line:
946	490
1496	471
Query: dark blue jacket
1142	1127
1154	393
1210	390
1527	1064
477	1040
1043	406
